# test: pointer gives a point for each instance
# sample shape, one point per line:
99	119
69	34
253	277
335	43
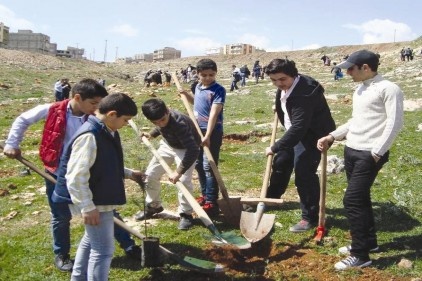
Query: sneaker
345	250
211	209
186	221
301	226
148	213
134	252
201	200
63	263
350	262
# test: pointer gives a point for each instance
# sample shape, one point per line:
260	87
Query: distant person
402	54
90	179
189	70
58	88
337	72
303	110
180	143
208	103
147	79
256	71
244	74
408	53
167	76
235	78
376	120
326	60
66	89
101	81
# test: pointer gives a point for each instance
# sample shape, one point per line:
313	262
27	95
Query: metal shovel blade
231	209
255	226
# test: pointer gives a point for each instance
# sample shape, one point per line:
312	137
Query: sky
114	29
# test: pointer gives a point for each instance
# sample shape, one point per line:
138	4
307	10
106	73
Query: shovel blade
231	209
254	231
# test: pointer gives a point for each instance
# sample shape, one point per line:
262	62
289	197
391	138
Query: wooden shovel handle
323	190
269	159
207	151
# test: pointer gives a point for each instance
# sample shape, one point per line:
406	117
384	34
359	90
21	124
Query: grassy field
25	239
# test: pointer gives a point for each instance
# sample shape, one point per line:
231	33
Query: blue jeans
209	185
361	171
243	81
95	251
60	225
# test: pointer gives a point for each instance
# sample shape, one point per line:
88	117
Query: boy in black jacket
302	109
180	144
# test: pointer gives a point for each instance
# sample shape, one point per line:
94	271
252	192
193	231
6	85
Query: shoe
186	221
148	213
134	252
350	262
345	250
301	226
63	263
211	209
201	200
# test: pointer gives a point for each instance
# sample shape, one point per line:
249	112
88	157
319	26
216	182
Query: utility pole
93	55
117	49
394	36
105	51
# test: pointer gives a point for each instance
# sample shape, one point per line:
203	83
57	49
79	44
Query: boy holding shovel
180	143
302	109
91	176
208	102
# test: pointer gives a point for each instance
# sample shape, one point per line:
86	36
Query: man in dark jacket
302	109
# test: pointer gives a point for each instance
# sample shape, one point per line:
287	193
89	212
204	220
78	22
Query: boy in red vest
62	119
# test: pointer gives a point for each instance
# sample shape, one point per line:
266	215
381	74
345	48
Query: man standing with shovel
302	109
376	120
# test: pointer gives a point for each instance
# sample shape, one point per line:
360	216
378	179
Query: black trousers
305	162
361	171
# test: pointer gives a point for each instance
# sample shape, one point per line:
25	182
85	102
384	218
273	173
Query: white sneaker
345	250
350	262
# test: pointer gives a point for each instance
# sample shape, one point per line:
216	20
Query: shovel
186	261
255	226
221	238
230	207
320	232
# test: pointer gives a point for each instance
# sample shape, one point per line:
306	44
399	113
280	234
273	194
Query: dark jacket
308	112
180	133
106	175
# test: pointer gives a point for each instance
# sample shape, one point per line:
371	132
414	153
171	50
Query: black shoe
134	252
63	263
186	221
148	213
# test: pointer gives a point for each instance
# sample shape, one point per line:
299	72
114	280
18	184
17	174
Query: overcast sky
127	27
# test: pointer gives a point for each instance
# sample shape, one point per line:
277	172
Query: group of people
406	54
243	73
154	78
89	124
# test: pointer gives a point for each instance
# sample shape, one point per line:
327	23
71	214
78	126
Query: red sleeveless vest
53	135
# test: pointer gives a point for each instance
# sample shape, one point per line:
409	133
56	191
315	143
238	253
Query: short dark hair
89	89
285	66
205	64
154	109
121	103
